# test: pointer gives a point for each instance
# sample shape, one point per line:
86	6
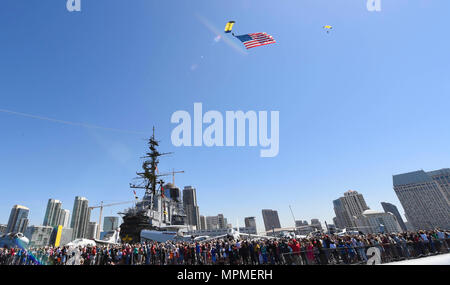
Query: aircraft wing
213	238
256	236
104	242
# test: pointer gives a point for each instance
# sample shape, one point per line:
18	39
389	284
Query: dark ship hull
133	224
157	209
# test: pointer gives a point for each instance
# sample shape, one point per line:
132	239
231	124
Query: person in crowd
317	249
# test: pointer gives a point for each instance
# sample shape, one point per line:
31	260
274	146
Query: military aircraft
292	235
233	234
347	232
166	233
110	238
201	238
13	240
81	242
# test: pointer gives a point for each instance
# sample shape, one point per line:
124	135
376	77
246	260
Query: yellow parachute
328	28
229	26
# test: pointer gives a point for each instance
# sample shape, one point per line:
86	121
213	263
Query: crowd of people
318	249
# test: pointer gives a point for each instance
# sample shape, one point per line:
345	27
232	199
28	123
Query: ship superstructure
160	207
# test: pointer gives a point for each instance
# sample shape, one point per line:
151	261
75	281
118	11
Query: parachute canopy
229	26
328	28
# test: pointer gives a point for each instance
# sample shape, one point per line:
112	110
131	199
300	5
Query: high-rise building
18	219
424	196
331	228
335	222
303	228
391	208
203	223
39	236
343	220
171	191
348	207
80	217
316	225
223	224
442	177
92	230
64	218
250	222
216	222
371	221
110	223
190	206
212	222
271	220
53	213
354	203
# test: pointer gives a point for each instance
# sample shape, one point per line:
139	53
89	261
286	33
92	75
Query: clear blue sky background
368	100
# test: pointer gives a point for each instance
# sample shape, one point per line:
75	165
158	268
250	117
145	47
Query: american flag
256	40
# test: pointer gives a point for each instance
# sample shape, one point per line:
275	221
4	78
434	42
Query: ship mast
148	177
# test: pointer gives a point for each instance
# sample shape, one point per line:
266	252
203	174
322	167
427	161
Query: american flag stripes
256	39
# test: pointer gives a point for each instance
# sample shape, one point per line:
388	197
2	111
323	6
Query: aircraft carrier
159	208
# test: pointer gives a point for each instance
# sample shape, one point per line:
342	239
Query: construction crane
173	175
173	172
101	206
292	215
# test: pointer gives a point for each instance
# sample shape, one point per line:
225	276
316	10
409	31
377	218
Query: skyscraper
442	177
171	191
212	222
371	221
348	207
18	219
316	225
343	220
53	213
216	222
335	222
250	222
110	223
92	230
391	208
354	203
80	217
39	236
271	220
424	196
191	207
64	218
203	223
222	221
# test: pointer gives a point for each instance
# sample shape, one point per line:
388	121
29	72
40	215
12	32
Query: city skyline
80	97
192	191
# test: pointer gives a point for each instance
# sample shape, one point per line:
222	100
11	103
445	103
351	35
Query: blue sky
358	105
